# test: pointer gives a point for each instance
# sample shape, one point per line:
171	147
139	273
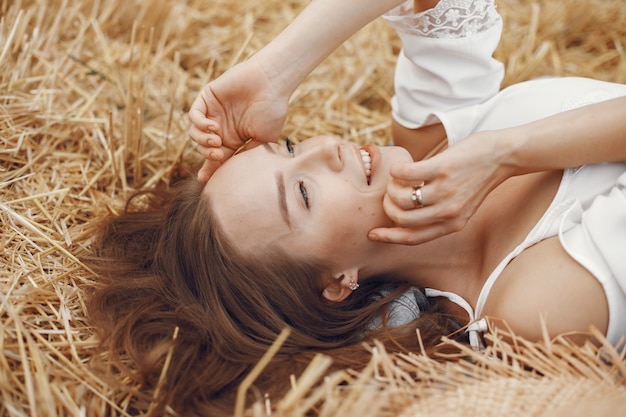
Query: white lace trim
449	19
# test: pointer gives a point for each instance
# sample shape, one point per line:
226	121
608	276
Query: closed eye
305	193
289	146
302	187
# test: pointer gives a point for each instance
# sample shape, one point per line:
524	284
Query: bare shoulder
544	281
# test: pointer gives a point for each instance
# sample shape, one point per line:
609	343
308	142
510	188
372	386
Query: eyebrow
280	183
282	200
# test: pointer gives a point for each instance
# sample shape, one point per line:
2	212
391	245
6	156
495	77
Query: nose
323	152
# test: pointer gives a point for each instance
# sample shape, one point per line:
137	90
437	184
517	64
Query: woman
473	184
176	289
278	237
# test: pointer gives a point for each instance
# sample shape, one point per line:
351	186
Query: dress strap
475	327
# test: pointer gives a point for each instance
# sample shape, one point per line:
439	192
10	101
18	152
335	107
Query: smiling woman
517	221
313	198
205	277
179	284
327	204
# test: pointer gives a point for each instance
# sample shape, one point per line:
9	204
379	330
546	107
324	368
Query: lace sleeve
449	19
446	60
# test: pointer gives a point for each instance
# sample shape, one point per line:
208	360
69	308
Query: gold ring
416	197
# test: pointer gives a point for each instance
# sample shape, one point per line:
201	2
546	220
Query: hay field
93	101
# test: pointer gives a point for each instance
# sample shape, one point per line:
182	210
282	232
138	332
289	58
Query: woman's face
314	198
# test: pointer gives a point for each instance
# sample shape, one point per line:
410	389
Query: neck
450	263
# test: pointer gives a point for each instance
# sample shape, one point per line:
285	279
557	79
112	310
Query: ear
338	286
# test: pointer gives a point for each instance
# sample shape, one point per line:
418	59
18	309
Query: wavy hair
164	265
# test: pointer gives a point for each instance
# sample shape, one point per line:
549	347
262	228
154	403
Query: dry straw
93	100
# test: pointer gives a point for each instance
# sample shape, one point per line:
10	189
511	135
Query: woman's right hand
240	105
249	101
448	188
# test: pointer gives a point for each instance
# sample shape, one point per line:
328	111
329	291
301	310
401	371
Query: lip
375	156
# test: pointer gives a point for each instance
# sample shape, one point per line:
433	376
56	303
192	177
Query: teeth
367	162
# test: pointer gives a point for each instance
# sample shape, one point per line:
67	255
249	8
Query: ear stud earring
353	285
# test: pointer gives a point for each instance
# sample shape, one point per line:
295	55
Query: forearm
586	135
315	33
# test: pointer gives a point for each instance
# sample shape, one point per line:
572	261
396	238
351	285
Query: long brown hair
163	264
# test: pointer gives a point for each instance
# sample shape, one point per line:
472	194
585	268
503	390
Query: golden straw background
93	101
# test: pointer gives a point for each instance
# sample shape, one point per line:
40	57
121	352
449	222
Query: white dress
446	73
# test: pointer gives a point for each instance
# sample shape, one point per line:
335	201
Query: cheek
343	238
358	211
369	212
353	222
364	218
347	219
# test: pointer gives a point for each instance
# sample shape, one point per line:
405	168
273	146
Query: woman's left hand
434	197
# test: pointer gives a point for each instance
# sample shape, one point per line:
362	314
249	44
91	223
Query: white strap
475	327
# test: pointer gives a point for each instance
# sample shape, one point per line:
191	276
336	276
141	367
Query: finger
443	216
206	128
407	214
407	197
197	115
210	165
198	118
412	172
196	134
403	236
207	169
210	153
199	108
394	193
412	218
205	139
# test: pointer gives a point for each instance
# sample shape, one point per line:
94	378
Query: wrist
283	74
510	150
